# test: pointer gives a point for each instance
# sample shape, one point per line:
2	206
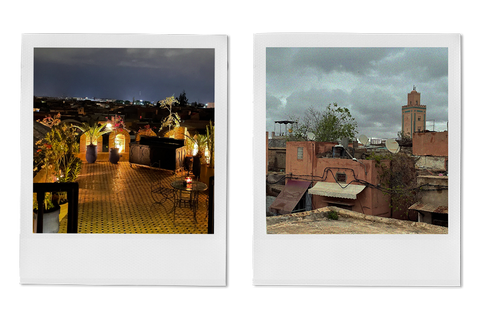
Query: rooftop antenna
392	145
310	136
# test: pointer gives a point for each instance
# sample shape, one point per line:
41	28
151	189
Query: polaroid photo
357	159
128	137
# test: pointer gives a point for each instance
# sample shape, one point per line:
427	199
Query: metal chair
161	190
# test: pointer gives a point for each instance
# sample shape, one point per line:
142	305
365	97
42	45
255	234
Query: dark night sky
120	73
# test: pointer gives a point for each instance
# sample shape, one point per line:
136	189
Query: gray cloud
124	73
372	82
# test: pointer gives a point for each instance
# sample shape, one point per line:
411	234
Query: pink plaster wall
370	201
430	144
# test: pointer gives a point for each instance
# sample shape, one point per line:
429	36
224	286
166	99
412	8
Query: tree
331	124
182	99
172	118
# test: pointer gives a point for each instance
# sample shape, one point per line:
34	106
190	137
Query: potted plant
196	151
56	154
92	132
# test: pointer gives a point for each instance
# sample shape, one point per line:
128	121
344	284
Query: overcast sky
372	82
116	73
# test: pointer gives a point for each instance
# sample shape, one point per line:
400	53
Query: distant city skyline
125	74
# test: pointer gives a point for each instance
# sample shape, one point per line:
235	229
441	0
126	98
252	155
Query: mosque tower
413	114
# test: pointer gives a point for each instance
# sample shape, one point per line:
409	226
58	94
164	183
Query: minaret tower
413	114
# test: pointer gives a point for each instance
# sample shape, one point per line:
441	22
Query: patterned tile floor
117	198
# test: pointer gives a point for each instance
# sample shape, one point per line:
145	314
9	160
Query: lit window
300	153
120	142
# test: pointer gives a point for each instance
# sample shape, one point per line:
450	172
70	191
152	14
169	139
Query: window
120	142
341	177
419	118
300	153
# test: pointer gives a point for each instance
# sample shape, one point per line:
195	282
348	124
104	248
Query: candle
188	183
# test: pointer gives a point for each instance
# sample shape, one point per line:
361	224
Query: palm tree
93	131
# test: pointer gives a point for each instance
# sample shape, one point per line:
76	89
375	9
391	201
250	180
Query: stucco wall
430	144
370	201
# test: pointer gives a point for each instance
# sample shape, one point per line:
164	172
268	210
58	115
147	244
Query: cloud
372	82
124	73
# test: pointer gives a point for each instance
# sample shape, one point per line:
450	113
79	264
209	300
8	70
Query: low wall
432	163
103	157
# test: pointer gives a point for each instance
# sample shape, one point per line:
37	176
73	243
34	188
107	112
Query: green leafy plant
199	142
210	141
56	154
48	203
93	131
331	124
332	215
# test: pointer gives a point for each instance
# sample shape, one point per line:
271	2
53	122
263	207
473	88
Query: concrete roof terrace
349	222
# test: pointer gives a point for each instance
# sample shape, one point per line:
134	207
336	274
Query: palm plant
210	136
93	131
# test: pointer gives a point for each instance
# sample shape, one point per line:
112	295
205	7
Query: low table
186	195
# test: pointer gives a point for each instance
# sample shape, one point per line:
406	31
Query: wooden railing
71	188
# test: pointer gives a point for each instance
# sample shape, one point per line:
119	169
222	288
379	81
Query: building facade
324	181
413	114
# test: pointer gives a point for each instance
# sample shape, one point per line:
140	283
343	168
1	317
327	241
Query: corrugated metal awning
289	197
333	189
429	208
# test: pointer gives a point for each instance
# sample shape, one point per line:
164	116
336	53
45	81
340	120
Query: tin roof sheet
289	197
337	190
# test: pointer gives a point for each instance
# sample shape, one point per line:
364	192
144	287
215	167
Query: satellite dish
363	139
392	146
310	136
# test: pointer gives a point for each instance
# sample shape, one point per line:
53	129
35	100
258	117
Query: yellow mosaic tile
117	198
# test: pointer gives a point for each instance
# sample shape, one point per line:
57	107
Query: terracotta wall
370	201
430	144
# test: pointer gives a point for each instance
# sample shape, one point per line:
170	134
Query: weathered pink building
432	150
344	183
430	144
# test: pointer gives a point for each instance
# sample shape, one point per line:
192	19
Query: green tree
331	124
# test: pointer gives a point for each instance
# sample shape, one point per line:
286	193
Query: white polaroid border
124	259
357	260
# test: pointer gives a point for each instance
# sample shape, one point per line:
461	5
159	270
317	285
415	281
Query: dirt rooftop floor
349	222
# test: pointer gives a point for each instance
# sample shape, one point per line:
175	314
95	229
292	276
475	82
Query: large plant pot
114	155
51	221
196	167
91	153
